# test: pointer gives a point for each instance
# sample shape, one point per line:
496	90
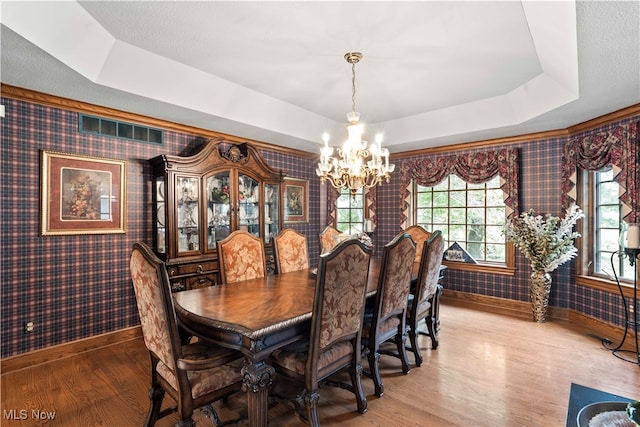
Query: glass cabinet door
249	204
187	206
161	230
271	211
218	208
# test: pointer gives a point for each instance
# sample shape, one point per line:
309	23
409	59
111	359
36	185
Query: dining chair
336	330
421	301
419	235
328	239
195	374
290	250
241	257
385	320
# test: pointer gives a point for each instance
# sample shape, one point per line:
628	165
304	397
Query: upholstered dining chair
195	375
420	303
336	325
419	235
290	250
241	257
385	320
328	239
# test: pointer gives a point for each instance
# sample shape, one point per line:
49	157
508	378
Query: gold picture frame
82	194
295	200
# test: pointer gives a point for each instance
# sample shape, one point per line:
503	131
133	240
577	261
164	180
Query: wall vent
109	127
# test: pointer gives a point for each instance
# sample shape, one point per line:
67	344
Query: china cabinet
200	199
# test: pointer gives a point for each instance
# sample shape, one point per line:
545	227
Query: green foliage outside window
471	214
350	212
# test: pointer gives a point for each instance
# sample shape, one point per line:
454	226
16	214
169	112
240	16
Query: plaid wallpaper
540	189
73	287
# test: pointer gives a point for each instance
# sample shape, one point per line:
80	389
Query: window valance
475	168
617	147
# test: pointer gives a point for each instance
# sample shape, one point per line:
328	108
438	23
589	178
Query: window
472	215
602	227
350	212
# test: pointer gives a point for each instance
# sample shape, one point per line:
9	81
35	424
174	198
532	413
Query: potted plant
547	242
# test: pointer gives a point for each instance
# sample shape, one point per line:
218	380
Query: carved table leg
257	377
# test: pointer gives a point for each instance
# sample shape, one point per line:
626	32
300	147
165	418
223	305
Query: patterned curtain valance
474	168
332	208
617	147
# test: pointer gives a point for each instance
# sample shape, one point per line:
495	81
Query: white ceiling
433	73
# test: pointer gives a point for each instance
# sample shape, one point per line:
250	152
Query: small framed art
295	198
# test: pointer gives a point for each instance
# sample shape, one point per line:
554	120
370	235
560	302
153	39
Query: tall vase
540	289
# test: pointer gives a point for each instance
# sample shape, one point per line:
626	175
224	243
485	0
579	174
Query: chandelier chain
353	86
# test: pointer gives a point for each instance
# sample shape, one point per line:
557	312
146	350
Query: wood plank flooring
489	370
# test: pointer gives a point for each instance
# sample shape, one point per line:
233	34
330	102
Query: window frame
507	268
584	270
346	192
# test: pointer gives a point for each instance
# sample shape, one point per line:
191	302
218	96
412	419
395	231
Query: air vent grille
109	127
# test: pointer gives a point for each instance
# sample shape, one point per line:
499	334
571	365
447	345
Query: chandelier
357	165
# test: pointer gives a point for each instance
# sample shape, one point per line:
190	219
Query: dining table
256	317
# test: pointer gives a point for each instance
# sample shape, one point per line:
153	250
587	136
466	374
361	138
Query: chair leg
374	368
400	341
431	327
413	338
311	402
433	318
156	395
355	372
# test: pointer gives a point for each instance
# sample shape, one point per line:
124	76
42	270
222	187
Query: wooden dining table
256	317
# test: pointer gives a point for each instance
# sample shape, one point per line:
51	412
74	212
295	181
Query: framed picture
82	194
295	197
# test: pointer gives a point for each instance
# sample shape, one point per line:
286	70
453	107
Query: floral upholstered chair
241	257
290	249
336	325
194	375
327	239
421	302
419	235
386	319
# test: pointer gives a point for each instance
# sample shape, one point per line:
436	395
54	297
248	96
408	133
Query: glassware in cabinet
218	208
187	207
160	215
271	211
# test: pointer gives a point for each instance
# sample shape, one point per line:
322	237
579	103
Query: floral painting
82	194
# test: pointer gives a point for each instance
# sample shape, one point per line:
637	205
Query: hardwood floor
489	370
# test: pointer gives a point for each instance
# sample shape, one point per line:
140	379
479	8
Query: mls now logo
23	414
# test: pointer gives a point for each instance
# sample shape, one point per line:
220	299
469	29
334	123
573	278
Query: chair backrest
419	236
290	249
429	272
338	306
241	257
155	304
327	239
394	283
